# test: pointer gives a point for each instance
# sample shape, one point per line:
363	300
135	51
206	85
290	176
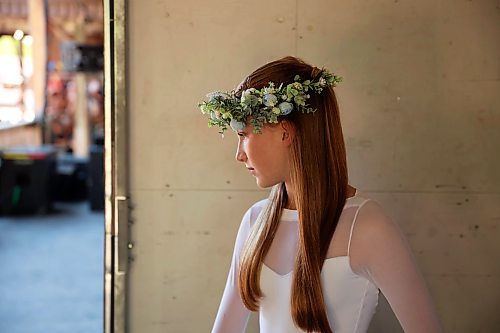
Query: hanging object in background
82	57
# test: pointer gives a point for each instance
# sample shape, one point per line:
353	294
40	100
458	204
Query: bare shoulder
374	220
376	236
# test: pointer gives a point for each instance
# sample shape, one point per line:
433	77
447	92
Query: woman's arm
381	253
232	316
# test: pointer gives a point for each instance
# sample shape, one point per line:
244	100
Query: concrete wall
421	115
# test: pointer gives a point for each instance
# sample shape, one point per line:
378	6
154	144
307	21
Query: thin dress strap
352	225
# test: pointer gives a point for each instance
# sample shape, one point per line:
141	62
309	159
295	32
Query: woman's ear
287	132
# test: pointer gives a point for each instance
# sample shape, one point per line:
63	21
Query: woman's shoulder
254	210
249	219
259	205
374	224
365	203
369	210
373	227
370	217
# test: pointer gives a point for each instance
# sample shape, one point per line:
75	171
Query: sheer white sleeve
233	316
380	253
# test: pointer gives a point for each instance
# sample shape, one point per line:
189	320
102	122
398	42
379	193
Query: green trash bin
26	175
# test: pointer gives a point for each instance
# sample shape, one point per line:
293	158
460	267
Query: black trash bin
25	179
70	179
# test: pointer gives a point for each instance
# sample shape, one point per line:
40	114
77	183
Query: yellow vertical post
81	130
38	31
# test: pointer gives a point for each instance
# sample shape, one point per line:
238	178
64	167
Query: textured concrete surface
51	271
420	113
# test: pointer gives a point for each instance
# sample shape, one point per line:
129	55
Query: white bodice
350	299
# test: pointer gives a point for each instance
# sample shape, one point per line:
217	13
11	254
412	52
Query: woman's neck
290	193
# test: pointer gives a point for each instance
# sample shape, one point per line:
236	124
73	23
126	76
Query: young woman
314	255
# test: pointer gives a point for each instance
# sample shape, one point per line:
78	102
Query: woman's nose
240	155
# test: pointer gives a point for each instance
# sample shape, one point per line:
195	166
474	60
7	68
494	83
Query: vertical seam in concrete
296	26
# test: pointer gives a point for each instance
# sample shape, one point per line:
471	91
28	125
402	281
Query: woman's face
265	155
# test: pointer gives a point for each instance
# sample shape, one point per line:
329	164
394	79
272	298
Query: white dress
367	252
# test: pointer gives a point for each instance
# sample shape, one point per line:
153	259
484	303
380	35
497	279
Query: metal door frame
116	162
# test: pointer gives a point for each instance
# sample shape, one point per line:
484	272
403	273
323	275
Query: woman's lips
251	170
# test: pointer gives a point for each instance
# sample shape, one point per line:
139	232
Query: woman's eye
241	134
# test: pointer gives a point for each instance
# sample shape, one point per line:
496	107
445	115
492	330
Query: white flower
204	108
218	94
248	99
285	108
249	91
237	125
270	100
269	90
215	115
300	100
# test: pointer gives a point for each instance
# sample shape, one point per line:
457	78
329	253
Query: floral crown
263	105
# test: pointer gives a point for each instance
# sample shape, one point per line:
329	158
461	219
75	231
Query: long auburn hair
319	176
